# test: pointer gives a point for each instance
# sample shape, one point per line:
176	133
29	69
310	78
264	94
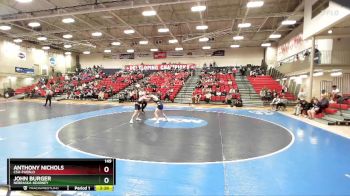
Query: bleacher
225	83
335	114
24	89
166	82
118	83
260	82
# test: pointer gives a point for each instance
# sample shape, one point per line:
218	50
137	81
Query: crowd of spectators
216	84
164	84
317	105
86	83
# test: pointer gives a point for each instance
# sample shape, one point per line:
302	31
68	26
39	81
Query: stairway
185	94
248	95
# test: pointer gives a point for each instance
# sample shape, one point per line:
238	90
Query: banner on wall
160	67
292	47
127	56
24	70
159	55
22	56
175	54
52	61
218	53
142	55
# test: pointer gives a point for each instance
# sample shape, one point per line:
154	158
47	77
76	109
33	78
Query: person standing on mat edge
48	96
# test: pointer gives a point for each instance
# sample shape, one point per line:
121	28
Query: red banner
159	55
160	67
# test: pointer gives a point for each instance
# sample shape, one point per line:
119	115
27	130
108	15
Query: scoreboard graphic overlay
61	174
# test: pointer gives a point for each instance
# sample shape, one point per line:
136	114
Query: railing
322	57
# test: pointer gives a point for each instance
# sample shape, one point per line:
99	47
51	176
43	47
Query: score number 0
106	170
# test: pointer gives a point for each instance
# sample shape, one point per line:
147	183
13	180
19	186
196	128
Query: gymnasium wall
35	58
239	56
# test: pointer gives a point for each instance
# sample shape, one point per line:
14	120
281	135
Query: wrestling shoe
131	121
138	119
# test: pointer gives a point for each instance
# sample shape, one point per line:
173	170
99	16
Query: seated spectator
299	107
232	90
301	95
262	93
237	102
282	104
207	97
274	103
101	96
167	96
315	109
228	99
335	93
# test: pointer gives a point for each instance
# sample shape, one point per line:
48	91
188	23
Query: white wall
327	18
239	56
36	59
271	56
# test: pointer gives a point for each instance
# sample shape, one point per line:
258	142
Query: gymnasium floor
199	151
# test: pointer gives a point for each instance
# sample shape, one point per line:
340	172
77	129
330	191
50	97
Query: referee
48	96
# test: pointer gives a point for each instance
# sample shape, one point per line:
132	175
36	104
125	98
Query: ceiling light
129	31
303	76
173	41
17	40
67	53
203	39
143	42
115	43
130	50
107	51
46	47
96	34
24	1
238	37
284	79
318	74
289	22
201	27
67	46
86	52
336	74
68	20
41	38
34	24
275	36
154	50
149	13
234	46
266	44
5	28
253	4
67	36
244	25
330	31
206	47
179	49
198	8
163	30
